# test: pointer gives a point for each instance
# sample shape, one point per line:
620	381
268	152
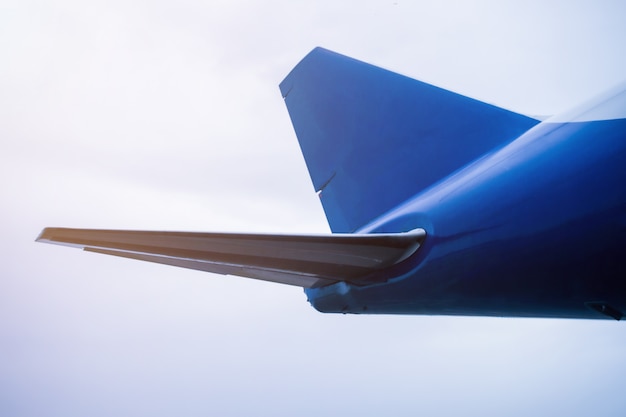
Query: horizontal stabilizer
307	261
372	138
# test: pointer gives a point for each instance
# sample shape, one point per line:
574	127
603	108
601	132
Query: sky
165	115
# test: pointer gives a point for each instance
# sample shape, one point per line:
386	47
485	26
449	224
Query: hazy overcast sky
167	115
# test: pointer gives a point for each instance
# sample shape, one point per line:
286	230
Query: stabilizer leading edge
307	261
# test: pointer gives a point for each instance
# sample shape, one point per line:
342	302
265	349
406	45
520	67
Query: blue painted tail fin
372	138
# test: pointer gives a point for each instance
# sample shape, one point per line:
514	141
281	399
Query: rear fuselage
535	228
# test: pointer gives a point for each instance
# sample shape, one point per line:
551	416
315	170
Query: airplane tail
372	138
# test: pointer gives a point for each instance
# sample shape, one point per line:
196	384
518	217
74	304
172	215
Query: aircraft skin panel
536	229
362	128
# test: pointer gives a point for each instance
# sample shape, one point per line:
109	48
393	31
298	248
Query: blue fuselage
535	228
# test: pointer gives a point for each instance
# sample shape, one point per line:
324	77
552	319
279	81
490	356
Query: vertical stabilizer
372	138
